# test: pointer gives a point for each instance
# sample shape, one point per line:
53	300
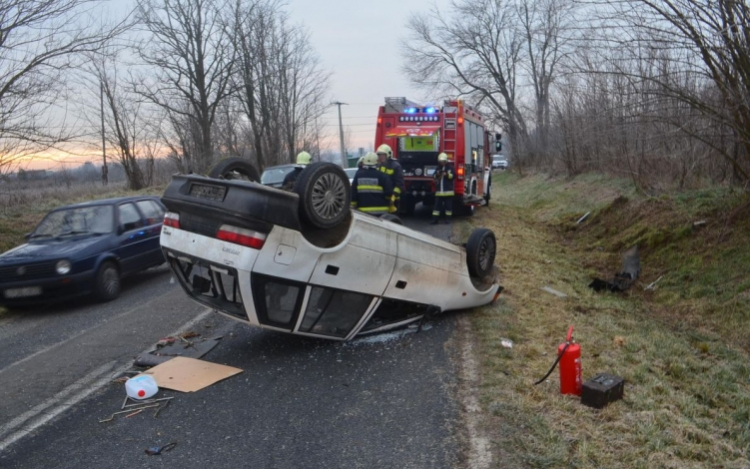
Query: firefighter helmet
442	157
303	158
386	150
370	159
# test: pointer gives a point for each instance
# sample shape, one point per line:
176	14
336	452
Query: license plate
203	191
23	292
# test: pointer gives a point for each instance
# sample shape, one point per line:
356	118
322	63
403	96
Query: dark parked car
274	175
82	249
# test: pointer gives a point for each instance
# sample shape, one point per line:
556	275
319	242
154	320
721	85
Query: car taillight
172	219
249	238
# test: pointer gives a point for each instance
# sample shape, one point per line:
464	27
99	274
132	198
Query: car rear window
275	175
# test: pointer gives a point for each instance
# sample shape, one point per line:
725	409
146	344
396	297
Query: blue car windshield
94	219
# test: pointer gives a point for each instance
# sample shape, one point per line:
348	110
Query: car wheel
235	168
391	218
480	252
324	194
108	284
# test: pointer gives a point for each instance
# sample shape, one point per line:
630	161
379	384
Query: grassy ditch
681	346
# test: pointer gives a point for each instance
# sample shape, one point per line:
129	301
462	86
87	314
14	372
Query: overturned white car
302	262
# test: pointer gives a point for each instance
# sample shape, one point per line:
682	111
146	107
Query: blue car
83	249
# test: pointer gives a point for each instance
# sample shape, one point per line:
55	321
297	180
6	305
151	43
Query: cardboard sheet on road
190	374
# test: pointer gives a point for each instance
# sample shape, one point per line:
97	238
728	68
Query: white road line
39	415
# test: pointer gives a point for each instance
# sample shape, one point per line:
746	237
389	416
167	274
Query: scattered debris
507	343
699	223
129	411
652	286
189	374
156	414
554	292
134	413
583	218
631	268
169	347
619	341
157	450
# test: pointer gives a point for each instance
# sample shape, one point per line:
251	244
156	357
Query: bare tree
704	49
125	126
192	60
473	51
40	42
280	83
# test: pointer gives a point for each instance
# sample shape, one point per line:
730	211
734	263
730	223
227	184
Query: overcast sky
359	43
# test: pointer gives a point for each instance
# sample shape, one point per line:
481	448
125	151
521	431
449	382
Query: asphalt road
382	401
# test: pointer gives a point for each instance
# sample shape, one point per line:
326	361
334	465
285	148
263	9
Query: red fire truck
418	134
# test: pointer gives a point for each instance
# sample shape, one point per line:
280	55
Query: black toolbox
601	390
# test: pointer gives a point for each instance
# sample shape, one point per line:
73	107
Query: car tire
235	168
324	195
108	283
391	218
480	252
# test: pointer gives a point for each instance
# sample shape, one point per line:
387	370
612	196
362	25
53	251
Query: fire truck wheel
391	218
480	252
324	194
234	168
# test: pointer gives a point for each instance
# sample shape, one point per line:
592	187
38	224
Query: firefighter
392	169
371	189
303	159
443	189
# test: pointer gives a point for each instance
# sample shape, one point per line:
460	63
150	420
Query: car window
275	175
130	219
276	300
96	219
351	172
333	312
152	212
393	311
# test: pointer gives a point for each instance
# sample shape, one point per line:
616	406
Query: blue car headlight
62	267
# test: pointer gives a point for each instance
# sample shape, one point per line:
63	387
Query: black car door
132	240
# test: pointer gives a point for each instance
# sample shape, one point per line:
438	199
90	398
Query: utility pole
344	162
105	177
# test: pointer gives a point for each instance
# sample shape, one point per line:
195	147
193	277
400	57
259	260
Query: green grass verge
681	348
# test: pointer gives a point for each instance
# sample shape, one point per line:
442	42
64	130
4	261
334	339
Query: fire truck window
420	143
333	312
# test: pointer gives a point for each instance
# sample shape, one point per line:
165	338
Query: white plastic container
141	387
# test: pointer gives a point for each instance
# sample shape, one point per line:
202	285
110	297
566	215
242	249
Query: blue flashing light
410	110
430	110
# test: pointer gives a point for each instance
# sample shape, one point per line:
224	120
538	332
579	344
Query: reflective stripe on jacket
393	170
444	178
371	190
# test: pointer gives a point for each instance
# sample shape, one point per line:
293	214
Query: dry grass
687	392
23	205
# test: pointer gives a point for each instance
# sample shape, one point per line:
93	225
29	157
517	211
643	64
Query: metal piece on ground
552	291
157	450
156	414
112	417
652	285
134	413
583	218
149	401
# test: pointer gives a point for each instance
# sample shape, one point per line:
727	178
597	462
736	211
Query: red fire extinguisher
570	365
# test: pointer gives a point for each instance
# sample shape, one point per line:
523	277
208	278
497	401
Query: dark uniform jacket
444	179
393	170
291	177
371	190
